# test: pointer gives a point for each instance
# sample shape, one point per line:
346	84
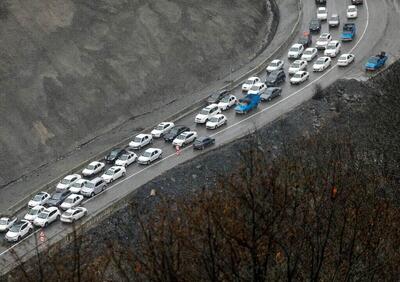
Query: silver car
94	187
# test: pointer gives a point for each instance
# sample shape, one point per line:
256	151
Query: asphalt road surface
377	27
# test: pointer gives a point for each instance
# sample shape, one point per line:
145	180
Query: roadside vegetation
325	209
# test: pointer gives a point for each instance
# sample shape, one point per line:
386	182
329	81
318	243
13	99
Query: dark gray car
203	141
315	25
216	97
271	93
275	78
57	198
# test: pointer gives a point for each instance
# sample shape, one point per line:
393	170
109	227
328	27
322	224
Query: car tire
18	238
58	217
123	174
92	194
46	224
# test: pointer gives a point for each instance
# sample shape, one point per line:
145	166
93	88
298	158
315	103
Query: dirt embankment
71	70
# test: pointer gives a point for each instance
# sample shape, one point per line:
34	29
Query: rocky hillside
71	70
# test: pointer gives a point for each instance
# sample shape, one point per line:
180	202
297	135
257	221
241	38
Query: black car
320	2
216	97
275	78
114	155
271	93
357	2
315	25
305	39
57	198
203	141
174	132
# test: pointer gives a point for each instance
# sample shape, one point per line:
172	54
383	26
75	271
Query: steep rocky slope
71	70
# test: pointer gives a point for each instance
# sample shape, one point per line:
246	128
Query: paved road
375	31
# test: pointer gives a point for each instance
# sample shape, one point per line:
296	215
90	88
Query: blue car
248	103
349	32
376	62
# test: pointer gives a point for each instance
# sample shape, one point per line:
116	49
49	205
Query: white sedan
258	88
18	231
227	102
351	12
126	159
141	140
185	138
113	173
67	182
206	113
33	213
323	41
345	60
249	83
297	66
161	129
216	121
275	65
78	185
299	77
322	63
73	214
6	223
332	49
296	51
93	168
150	155
322	13
309	54
39	200
47	216
73	200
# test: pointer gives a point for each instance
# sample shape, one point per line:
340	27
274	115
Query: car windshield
322	39
15	228
90	167
137	140
69	201
181	137
113	154
225	99
294	49
43	215
68	214
314	22
37	198
309	52
320	62
334	18
213	119
274	64
57	196
200	140
347	28
65	181
160	127
147	154
215	95
77	184
89	185
343	58
321	11
296	65
331	47
254	88
33	212
297	75
124	157
204	112
352	9
373	60
3	222
109	172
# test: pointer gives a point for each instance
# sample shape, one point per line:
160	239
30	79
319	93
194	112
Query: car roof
324	35
311	48
73	196
95	162
298	61
69	177
322	9
37	207
297	45
42	193
165	123
253	78
218	115
97	179
4	218
302	71
276	61
201	138
187	133
114	167
142	135
352	6
50	209
151	150
81	180
211	106
334	16
258	83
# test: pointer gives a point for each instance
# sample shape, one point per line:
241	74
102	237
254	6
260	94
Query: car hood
143	158
347	34
87	190
321	43
106	176
30	217
62	186
87	171
133	144
3	227
33	203
12	234
120	162
370	65
40	220
246	85
200	116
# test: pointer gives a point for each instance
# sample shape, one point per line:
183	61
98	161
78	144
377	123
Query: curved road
377	27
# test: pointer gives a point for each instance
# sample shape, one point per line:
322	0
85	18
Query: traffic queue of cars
70	193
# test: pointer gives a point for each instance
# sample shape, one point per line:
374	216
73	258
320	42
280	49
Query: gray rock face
71	70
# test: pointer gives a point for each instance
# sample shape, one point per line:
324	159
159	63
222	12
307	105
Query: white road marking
215	134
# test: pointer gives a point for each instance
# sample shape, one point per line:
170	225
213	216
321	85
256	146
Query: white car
47	216
297	66
299	77
206	113
73	214
185	138
322	63
39	200
67	182
161	129
345	60
323	41
6	223
333	49
322	13
78	185
249	83
126	159
71	201
19	230
113	173
141	140
309	54
351	12
150	155
93	168
216	121
227	102
296	51
33	213
275	65
334	20
258	88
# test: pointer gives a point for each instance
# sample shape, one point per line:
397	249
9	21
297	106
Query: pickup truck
349	32
376	62
248	103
